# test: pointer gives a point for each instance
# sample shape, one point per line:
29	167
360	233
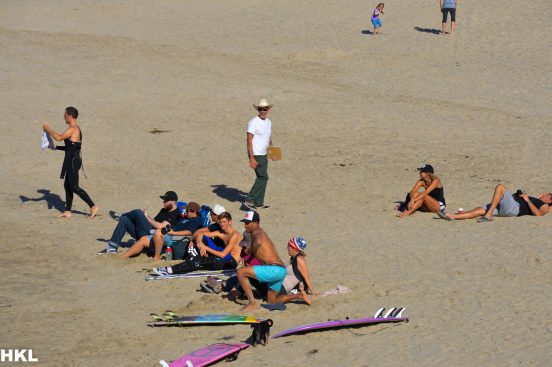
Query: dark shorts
452	12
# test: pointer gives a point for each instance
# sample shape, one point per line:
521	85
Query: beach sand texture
355	114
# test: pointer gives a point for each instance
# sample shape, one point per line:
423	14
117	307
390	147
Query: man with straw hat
259	131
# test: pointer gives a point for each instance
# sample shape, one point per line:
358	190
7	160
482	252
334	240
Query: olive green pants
257	193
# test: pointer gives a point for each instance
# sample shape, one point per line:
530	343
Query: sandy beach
354	113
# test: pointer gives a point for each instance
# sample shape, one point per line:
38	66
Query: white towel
47	142
339	290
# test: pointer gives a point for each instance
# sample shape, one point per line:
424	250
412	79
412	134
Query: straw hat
262	103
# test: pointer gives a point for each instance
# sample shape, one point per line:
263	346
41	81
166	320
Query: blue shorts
376	22
211	244
272	274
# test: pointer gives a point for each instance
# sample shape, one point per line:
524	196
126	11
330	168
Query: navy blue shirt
192	225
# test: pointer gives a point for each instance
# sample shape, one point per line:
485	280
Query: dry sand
354	113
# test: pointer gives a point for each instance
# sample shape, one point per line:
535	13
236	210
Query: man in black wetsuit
504	204
72	162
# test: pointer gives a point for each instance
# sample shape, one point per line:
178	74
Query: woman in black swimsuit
431	199
72	162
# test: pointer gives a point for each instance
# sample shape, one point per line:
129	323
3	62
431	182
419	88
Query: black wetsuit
72	162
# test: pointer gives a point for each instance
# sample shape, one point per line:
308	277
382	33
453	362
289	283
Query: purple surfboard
337	324
207	355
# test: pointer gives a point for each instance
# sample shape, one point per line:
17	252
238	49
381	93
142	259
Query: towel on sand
340	289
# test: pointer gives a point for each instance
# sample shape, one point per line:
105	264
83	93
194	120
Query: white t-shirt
261	130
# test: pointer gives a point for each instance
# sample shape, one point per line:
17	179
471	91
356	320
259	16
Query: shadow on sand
428	30
229	193
52	200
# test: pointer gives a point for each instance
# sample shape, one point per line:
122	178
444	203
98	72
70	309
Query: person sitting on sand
221	258
504	204
185	227
138	224
272	271
228	256
297	272
213	227
431	199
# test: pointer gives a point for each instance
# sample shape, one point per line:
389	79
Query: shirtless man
72	162
227	257
272	271
231	254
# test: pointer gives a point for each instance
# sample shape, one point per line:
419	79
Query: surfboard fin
398	312
388	313
156	317
379	313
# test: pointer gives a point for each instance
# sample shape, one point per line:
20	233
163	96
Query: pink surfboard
207	355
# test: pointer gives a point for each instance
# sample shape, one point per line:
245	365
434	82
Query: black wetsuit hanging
72	163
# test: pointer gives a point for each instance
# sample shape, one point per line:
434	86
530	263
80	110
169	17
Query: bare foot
93	211
65	214
306	298
249	307
403	215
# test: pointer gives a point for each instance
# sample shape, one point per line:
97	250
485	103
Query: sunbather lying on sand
504	204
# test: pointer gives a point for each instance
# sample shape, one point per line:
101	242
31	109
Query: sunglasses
262	109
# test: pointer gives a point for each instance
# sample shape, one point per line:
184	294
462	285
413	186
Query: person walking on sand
376	21
72	162
259	138
272	271
448	6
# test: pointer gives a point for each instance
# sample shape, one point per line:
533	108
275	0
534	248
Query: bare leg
416	206
474	213
158	244
452	27
93	211
285	298
497	196
444	28
138	247
65	214
243	276
431	204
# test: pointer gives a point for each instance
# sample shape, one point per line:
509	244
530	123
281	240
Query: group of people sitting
218	246
428	195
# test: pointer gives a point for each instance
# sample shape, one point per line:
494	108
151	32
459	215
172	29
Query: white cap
218	209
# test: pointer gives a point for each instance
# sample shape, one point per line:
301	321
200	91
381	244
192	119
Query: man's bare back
263	248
